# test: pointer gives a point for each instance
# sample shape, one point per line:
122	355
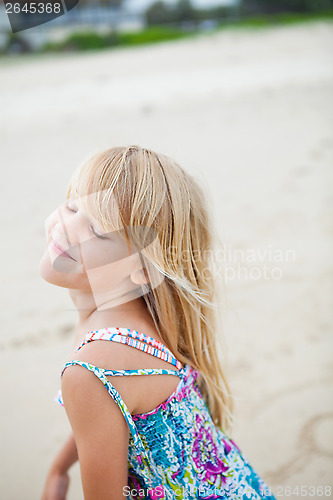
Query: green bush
276	19
94	41
149	35
79	41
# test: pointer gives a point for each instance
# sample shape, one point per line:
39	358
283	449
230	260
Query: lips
60	251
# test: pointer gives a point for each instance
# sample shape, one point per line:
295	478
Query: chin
63	276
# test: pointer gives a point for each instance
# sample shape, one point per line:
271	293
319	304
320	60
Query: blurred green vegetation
263	21
249	14
161	12
255	7
86	40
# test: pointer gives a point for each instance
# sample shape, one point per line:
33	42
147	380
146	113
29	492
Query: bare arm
57	481
66	457
101	434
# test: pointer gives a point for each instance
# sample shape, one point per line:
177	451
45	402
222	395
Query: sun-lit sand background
250	114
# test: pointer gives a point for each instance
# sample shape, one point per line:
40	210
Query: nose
66	231
61	237
64	227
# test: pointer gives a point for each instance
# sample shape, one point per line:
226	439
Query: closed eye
92	229
101	236
70	208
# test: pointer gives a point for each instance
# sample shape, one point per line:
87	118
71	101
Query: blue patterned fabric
176	451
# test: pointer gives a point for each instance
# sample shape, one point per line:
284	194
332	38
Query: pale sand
250	114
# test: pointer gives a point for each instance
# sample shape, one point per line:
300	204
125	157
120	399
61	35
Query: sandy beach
249	113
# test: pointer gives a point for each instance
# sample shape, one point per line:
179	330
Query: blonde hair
152	191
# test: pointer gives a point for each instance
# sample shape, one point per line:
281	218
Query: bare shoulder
82	390
101	354
140	393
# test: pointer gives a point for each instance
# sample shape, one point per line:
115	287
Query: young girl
144	388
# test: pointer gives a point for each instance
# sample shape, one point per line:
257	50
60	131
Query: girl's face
81	256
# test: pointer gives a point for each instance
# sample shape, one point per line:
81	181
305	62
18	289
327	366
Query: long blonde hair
153	191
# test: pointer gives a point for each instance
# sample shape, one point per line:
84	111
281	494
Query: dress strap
145	371
182	373
134	339
100	374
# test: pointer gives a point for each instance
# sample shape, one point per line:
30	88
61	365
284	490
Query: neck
91	317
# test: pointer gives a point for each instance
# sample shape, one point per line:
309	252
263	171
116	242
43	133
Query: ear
139	277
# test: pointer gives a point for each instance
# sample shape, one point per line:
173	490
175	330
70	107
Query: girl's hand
56	485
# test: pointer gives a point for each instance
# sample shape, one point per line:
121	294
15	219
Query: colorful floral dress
175	451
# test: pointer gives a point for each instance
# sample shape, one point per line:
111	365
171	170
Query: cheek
96	254
109	277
